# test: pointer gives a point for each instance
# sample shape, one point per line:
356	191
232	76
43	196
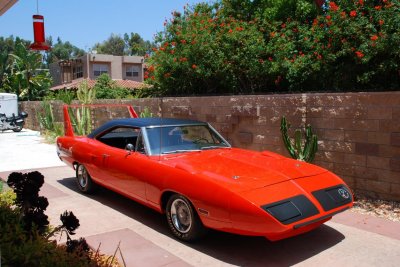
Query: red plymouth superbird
188	171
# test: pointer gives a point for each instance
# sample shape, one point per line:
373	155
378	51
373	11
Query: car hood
242	170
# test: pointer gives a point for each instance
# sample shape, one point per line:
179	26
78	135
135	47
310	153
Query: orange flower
333	6
378	7
381	22
353	14
194	66
359	54
374	37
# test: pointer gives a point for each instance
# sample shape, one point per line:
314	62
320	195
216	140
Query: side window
119	137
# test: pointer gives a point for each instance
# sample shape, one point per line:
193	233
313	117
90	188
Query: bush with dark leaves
69	222
27	186
23	241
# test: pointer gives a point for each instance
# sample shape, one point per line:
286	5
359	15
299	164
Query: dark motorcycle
14	123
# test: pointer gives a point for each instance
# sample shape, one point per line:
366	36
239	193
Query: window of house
132	71
78	72
99	69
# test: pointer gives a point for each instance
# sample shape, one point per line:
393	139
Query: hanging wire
37	7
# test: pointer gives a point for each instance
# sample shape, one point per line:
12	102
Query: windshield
176	139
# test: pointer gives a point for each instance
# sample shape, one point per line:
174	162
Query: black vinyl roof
144	122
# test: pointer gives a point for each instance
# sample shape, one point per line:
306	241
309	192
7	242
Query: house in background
126	71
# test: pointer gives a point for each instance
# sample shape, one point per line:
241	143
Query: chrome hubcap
82	176
181	216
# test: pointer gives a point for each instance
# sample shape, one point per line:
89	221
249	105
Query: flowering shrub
344	45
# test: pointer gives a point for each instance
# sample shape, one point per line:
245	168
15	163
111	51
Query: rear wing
86	109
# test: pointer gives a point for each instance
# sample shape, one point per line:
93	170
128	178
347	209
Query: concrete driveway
107	219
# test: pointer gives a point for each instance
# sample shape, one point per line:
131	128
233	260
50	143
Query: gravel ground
379	208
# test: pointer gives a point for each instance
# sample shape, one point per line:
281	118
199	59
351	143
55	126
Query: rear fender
68	130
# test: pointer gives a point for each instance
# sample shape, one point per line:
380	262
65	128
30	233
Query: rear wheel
183	220
84	181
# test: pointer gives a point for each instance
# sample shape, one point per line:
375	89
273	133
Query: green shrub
24	239
20	248
238	47
106	89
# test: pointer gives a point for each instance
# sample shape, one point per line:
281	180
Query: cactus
46	117
82	122
146	113
295	149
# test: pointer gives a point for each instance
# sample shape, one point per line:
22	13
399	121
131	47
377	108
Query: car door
121	167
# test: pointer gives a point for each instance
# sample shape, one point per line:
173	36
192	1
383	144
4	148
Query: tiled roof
74	84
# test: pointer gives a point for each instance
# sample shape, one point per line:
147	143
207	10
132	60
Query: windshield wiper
181	151
213	147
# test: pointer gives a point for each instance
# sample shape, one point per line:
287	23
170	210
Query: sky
86	22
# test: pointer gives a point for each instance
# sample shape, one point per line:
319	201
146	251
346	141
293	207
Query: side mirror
129	148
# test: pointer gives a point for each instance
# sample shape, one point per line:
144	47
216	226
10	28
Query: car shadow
229	248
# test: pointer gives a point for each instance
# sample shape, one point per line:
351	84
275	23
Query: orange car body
234	190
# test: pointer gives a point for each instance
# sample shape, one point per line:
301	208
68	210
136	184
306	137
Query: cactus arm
286	140
297	143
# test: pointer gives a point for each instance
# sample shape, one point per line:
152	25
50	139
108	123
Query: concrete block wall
359	133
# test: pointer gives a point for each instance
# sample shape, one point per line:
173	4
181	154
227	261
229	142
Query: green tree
29	80
7	46
61	51
114	45
135	45
270	10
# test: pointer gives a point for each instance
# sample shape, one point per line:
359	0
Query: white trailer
8	104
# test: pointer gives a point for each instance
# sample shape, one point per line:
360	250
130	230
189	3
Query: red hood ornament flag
38	32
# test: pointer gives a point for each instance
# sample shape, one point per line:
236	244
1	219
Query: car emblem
343	193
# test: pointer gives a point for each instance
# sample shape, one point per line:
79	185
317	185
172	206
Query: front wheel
183	220
18	127
84	181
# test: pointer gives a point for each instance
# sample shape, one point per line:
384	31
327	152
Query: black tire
18	127
183	220
83	180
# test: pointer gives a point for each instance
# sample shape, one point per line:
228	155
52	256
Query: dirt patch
379	208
